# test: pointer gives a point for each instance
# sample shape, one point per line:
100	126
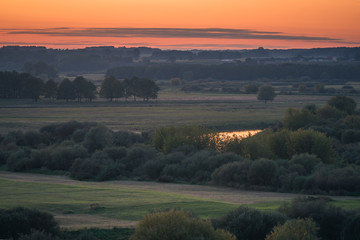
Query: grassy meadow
122	203
172	108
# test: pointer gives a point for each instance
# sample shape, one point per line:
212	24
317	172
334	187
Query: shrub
17	221
126	138
343	103
263	172
312	142
307	161
176	224
352	226
20	160
350	136
232	174
247	223
62	157
330	218
295	229
137	156
330	112
340	180
32	139
115	153
295	118
97	138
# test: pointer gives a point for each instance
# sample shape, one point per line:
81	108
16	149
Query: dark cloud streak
210	33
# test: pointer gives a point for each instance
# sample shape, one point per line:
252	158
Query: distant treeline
232	71
14	85
95	59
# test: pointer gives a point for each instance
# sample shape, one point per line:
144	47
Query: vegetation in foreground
303	218
315	151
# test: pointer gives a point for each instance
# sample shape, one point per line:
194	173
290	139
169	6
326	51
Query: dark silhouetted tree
266	93
66	90
50	89
111	88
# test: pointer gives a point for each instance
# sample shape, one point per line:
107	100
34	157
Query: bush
339	180
62	157
307	161
19	221
176	224
352	226
232	174
350	136
295	118
263	172
32	139
137	156
343	103
97	138
295	229
126	138
20	160
247	223
331	219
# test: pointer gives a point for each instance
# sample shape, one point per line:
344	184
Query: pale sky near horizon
181	24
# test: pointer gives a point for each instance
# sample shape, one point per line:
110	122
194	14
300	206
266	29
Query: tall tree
32	87
66	90
266	93
80	86
50	89
111	88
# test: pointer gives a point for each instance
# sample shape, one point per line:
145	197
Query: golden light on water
238	134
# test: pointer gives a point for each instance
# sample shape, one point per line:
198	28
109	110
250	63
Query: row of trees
112	88
23	85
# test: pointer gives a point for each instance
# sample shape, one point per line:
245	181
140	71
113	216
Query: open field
171	108
122	203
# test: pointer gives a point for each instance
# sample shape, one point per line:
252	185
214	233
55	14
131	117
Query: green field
172	108
122	203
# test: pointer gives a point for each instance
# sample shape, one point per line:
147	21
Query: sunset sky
181	24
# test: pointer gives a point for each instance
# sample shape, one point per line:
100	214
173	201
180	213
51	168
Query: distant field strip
169	110
122	203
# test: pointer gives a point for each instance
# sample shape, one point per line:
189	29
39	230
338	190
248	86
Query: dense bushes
19	221
176	224
247	223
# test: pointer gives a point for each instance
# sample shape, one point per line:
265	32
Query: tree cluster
112	88
23	85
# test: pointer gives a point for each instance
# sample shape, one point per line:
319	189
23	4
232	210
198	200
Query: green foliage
352	121
312	142
295	229
266	93
18	221
97	138
62	157
247	223
306	160
340	180
343	103
295	118
329	218
111	88
232	174
19	160
262	172
330	112
176	224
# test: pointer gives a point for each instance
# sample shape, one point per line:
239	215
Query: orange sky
272	23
